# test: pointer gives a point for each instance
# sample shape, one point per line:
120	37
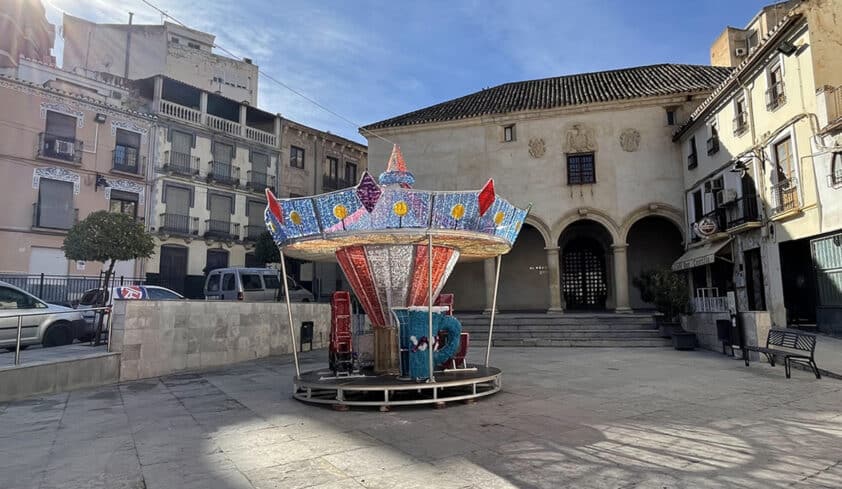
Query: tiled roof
562	91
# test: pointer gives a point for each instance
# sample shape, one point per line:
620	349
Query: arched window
836	169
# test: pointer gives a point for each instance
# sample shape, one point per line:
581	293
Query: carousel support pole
430	303
493	310
289	315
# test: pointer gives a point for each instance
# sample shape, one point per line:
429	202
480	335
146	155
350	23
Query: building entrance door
173	268
583	279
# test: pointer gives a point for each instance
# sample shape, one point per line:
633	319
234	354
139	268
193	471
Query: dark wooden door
173	268
583	275
216	259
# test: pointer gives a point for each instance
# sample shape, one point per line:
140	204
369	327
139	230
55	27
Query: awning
697	257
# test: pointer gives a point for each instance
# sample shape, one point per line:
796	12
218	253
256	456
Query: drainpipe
128	44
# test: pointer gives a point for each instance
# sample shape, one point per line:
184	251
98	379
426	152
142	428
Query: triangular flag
486	197
396	161
274	206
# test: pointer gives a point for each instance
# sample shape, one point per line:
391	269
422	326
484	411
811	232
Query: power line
273	79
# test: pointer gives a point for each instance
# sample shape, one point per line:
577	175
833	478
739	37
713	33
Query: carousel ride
396	246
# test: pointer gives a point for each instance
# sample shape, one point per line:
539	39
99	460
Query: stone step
590	343
559	327
601	334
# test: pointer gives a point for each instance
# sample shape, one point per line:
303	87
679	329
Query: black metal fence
63	289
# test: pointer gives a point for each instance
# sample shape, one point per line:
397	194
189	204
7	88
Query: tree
664	288
265	249
107	238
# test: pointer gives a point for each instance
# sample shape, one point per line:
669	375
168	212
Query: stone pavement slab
583	418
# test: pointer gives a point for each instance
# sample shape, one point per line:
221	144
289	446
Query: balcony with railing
183	164
741	211
259	181
53	217
253	231
220	229
784	196
740	123
126	159
775	96
179	224
59	148
333	183
223	173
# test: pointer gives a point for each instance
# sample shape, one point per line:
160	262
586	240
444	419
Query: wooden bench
799	347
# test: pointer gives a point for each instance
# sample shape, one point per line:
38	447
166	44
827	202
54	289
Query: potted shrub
667	291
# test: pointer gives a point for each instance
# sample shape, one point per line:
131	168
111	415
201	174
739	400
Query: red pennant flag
486	197
274	207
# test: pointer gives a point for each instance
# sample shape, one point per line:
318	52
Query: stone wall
161	337
756	327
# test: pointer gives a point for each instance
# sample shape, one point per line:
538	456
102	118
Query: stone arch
587	213
666	211
540	226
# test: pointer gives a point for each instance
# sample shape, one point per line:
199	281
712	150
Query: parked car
57	328
252	284
92	299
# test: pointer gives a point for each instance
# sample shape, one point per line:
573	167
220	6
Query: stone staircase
568	329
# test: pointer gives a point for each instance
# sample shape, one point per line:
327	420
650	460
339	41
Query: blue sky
369	60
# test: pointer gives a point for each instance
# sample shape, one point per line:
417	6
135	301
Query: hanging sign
705	228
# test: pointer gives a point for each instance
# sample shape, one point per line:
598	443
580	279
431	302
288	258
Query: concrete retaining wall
756	327
58	376
161	337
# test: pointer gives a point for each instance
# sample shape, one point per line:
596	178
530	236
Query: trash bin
306	335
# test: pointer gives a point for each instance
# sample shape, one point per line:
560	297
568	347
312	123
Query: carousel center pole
430	303
493	310
289	315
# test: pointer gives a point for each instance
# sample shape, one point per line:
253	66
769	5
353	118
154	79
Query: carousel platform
385	391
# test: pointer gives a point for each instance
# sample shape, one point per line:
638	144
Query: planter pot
669	329
684	340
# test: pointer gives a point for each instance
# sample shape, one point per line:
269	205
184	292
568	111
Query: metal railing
221	229
127	160
178	224
333	183
740	123
253	231
181	112
742	210
223	173
259	181
785	196
713	145
59	148
53	219
180	163
710	304
775	96
63	290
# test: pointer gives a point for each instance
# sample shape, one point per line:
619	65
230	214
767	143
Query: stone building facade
25	32
591	152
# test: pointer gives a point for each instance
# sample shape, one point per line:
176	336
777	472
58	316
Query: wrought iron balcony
785	196
180	163
740	123
221	229
59	148
775	96
53	217
713	145
692	161
259	181
253	231
127	160
223	173
182	224
333	183
742	211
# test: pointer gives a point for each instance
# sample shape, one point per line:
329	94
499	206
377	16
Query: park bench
793	346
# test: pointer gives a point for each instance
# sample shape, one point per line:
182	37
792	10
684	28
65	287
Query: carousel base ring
386	391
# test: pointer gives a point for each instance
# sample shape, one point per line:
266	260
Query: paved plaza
602	418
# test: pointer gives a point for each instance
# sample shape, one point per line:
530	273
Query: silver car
59	326
252	285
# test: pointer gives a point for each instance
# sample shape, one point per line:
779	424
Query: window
713	140
174	40
272	281
213	283
126	151
740	115
698	208
123	203
775	93
754	280
751	41
509	133
331	177
157	294
670	117
55	205
836	169
59	138
296	157
228	282
580	169
350	173
785	188
783	160
693	157
193	45
251	281
14	299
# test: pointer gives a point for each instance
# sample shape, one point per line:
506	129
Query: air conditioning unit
729	195
740	52
64	147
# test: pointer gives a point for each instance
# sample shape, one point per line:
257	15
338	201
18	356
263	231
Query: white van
253	285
